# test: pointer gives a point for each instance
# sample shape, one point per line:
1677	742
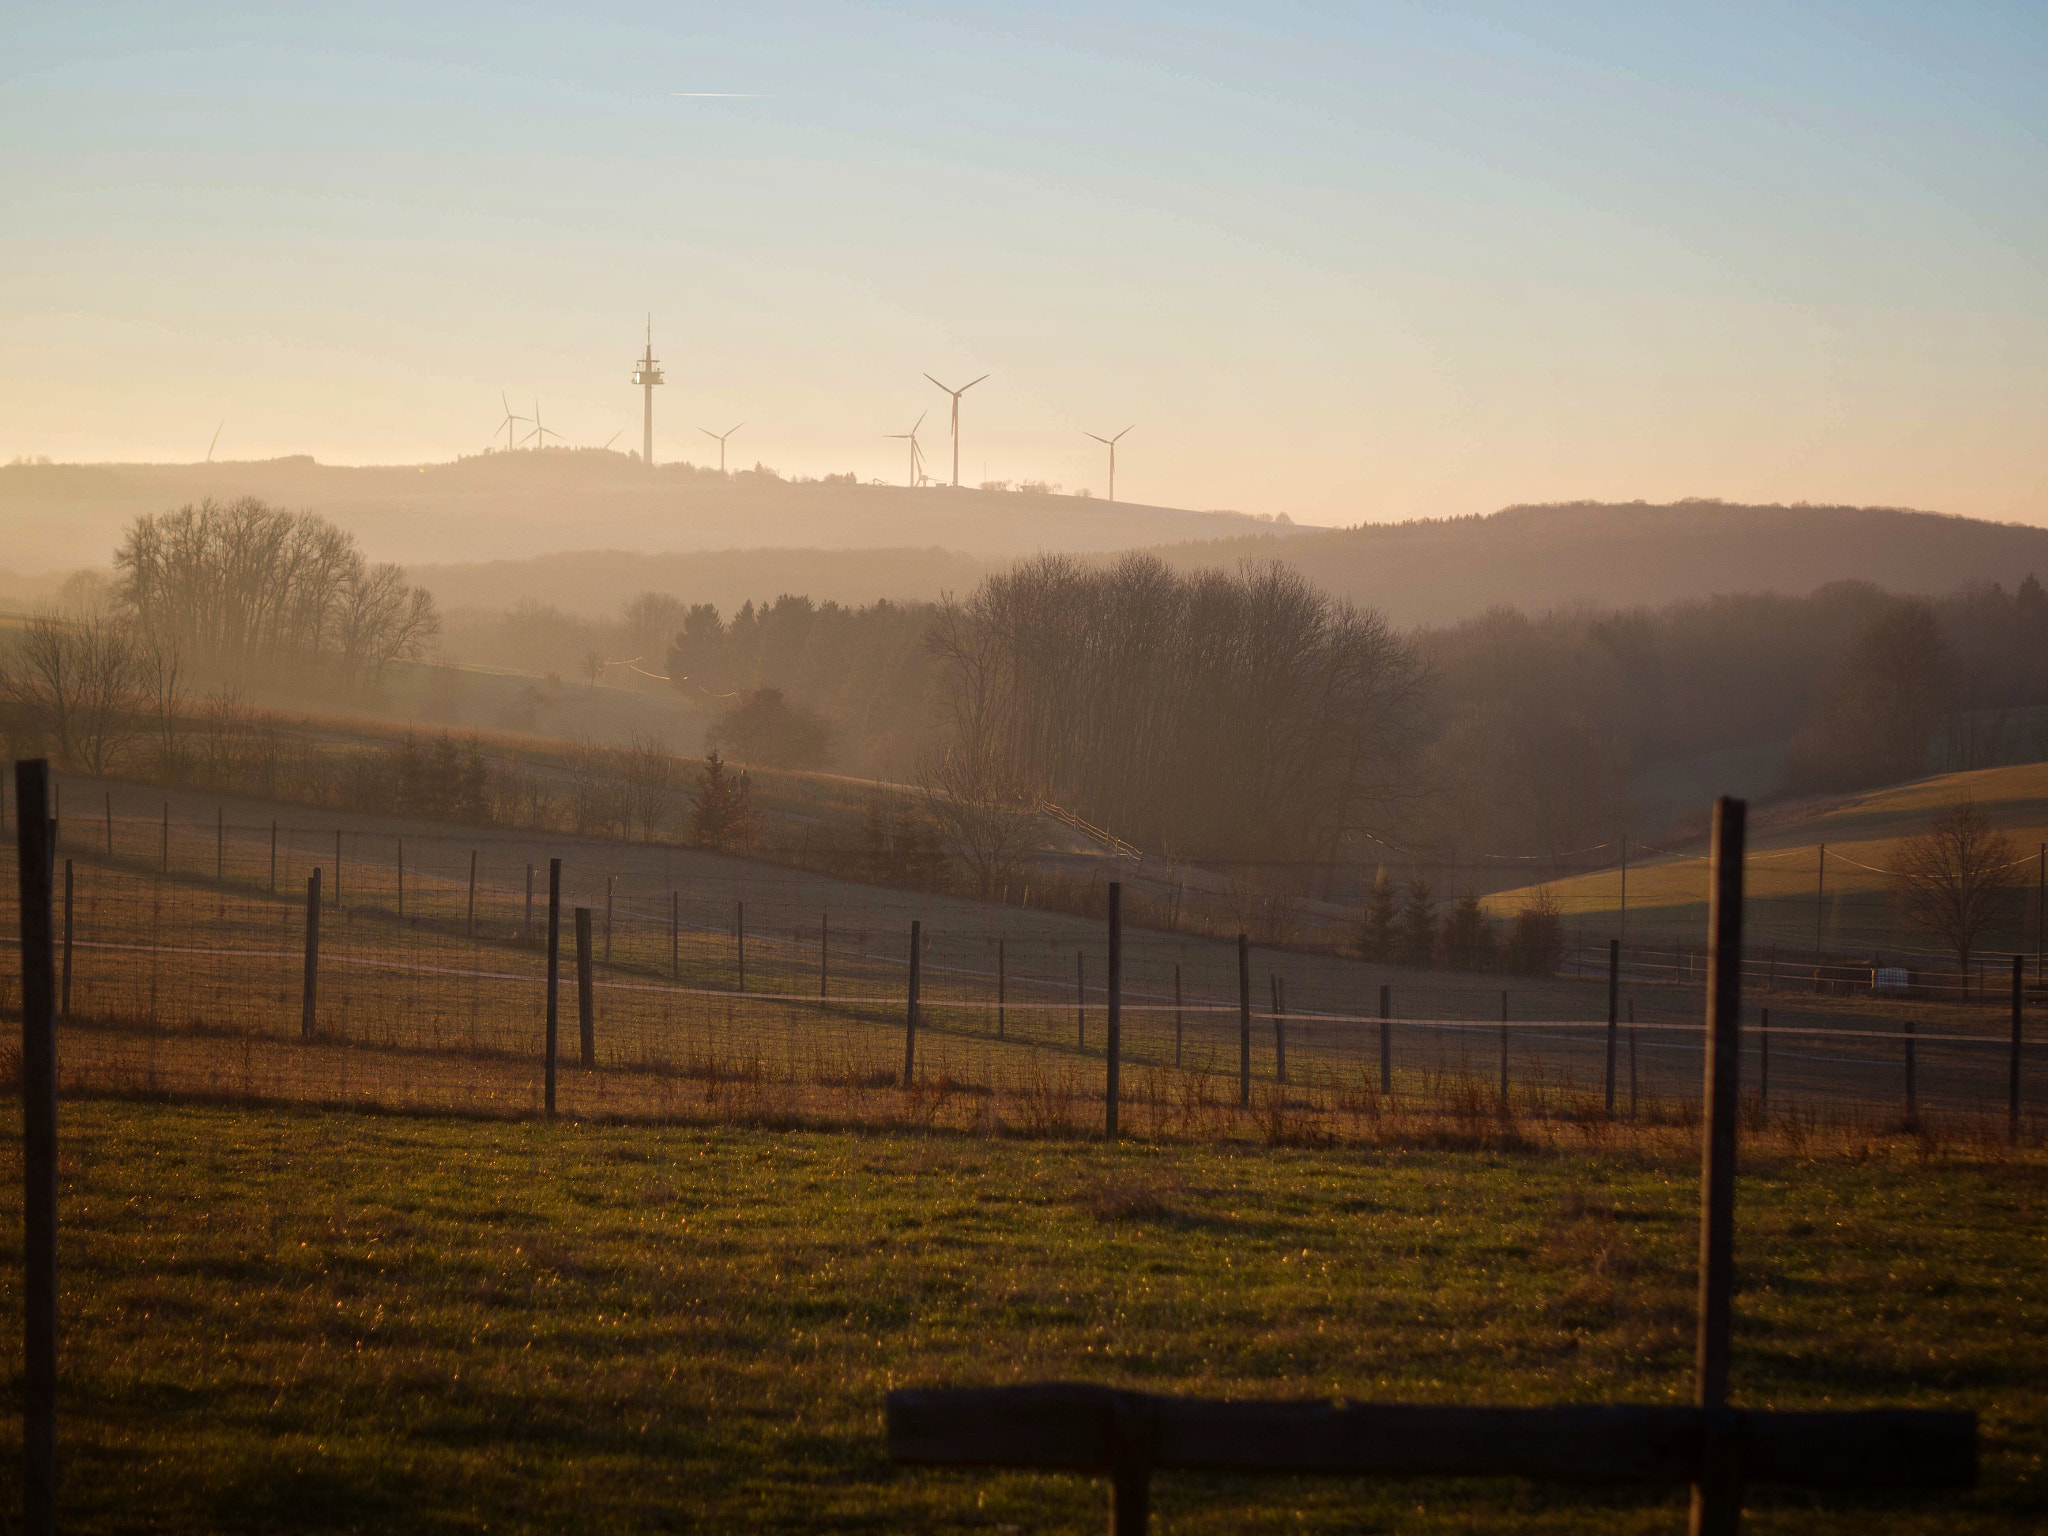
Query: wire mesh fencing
721	988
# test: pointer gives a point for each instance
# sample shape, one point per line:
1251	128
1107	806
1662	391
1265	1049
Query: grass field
307	1320
1667	892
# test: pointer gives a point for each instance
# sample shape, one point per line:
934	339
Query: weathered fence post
1631	1061
1613	1015
1717	1495
554	974
526	925
910	1009
401	879
1503	1046
309	989
1080	1001
1279	1028
337	869
675	935
824	957
610	884
2012	1081
34	850
739	939
586	1021
1114	1046
469	920
1912	1082
1176	1015
220	846
64	996
110	826
1763	1066
1386	1039
167	836
1244	1021
1002	988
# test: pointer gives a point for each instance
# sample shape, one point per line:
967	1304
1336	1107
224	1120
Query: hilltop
1632	554
512	505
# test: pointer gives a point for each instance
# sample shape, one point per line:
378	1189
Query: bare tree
1954	881
164	690
981	815
78	685
652	779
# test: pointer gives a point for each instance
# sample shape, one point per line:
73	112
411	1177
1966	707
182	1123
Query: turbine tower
647	374
916	453
1112	442
956	394
719	438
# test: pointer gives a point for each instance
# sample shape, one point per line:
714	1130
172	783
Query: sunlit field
282	1319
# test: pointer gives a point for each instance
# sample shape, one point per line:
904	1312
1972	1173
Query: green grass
309	1321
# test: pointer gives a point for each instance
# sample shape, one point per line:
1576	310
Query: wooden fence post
1613	1015
401	879
309	990
1503	1046
35	848
675	935
273	854
910	1010
824	956
1912	1082
1114	1046
1244	1021
64	995
167	836
610	885
469	921
1176	1015
1080	1001
1386	1039
739	938
1631	1061
1717	1495
2012	1080
586	1021
526	925
1002	988
110	823
337	869
554	974
1763	1066
1279	1027
220	846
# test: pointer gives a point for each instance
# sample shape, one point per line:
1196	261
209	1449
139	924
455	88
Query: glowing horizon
1352	268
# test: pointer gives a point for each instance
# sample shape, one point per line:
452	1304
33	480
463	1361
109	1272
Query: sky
1350	262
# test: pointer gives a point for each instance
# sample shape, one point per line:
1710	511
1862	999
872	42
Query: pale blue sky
1355	262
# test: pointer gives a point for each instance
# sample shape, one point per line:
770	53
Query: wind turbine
1112	442
956	394
610	440
215	440
719	438
507	422
540	432
916	453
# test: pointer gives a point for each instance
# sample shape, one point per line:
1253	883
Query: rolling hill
536	504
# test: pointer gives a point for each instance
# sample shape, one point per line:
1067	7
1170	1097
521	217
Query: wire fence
722	987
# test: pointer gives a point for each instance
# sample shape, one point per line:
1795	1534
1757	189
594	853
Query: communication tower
647	374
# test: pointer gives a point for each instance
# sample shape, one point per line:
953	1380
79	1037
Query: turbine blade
970	384
1120	434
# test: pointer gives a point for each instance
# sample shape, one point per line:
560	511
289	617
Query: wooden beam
1073	1427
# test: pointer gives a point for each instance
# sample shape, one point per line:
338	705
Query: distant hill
1621	555
510	505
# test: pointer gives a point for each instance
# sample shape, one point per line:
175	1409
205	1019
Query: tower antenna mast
647	374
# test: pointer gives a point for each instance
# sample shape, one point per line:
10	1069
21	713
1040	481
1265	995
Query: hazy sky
1351	262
